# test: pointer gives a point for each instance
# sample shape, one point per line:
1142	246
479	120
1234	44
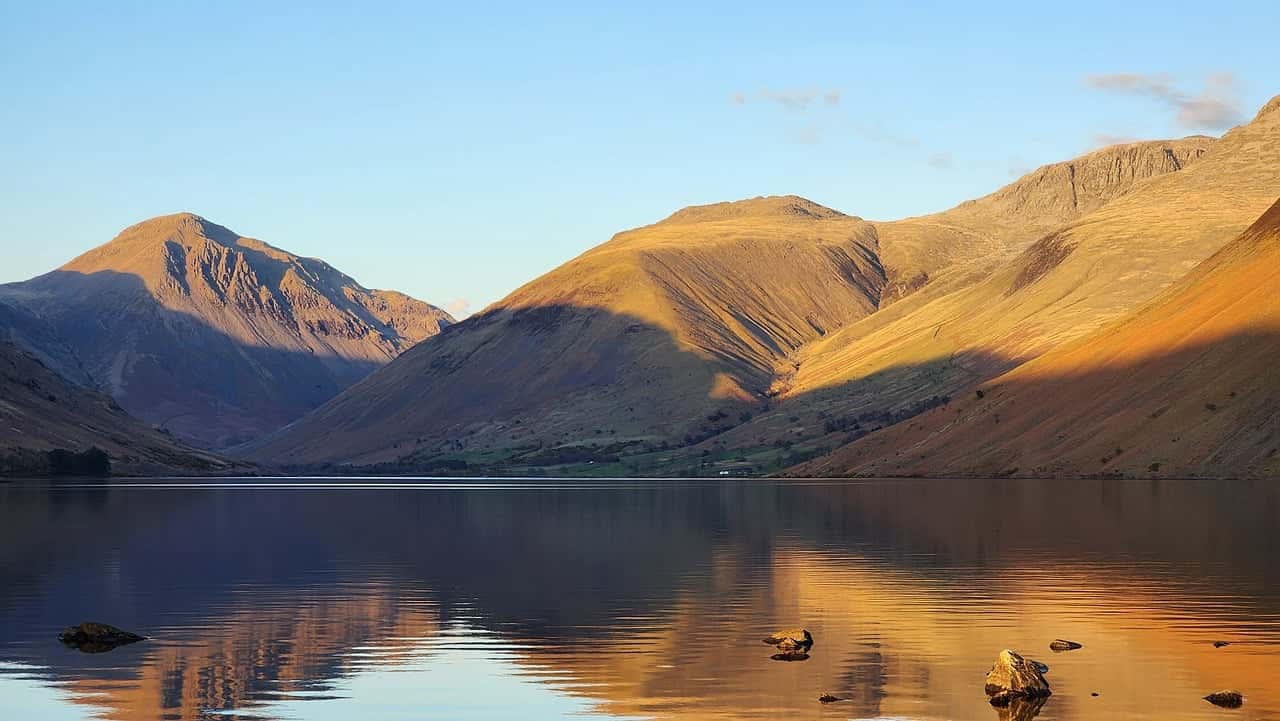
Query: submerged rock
828	698
790	640
91	637
1226	699
1013	677
790	656
1059	645
1220	644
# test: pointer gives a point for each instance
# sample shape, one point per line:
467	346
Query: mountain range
209	336
751	336
1108	315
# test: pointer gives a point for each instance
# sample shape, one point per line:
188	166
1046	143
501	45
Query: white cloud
1216	107
458	307
941	161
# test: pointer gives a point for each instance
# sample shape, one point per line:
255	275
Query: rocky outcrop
93	637
1013	677
793	644
1226	699
793	639
1072	188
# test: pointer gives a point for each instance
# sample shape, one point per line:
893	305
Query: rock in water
1226	699
91	637
1041	667
1220	644
828	698
1013	676
790	640
1060	645
790	656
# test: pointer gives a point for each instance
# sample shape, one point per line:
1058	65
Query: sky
455	151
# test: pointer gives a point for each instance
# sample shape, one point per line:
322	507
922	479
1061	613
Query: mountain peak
175	226
1271	106
218	337
772	206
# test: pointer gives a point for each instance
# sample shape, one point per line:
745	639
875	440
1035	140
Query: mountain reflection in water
379	599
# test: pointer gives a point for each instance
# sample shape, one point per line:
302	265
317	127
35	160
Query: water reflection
638	600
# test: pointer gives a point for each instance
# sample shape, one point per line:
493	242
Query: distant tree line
92	462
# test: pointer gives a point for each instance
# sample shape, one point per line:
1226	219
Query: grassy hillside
1186	386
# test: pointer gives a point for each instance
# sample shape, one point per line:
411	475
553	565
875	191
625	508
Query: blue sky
455	152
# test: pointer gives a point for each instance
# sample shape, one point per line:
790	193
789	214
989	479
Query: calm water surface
469	600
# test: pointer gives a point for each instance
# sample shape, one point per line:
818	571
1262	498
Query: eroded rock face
1014	677
1226	699
789	640
91	637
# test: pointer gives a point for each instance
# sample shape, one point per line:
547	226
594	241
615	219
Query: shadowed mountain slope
1185	386
34	335
665	333
41	412
218	337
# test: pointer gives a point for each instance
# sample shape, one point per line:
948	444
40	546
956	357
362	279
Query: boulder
92	637
1059	645
1013	676
790	640
1226	699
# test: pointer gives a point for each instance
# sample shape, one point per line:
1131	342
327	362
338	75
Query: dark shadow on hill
1207	410
534	386
57	428
180	374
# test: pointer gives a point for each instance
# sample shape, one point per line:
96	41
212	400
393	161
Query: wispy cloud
878	133
798	100
458	307
941	161
1215	107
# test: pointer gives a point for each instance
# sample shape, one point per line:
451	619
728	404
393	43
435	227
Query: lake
400	599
